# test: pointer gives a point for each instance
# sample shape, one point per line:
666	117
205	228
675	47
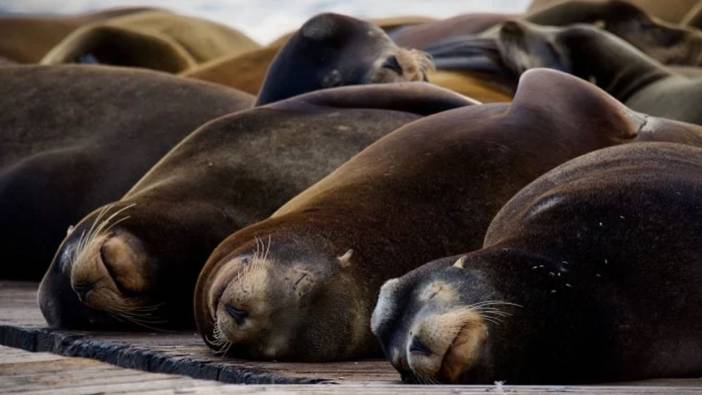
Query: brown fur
670	10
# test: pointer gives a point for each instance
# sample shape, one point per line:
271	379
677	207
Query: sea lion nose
238	315
83	290
418	347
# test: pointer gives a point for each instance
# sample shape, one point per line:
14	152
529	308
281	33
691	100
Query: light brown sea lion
137	259
26	39
301	285
591	273
629	75
76	137
669	10
158	40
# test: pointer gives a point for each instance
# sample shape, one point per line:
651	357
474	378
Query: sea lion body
77	137
156	39
141	255
591	273
671	11
26	39
668	43
301	285
629	75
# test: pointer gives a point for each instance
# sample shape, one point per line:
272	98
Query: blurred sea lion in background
76	137
301	284
26	39
604	59
591	273
158	40
136	260
670	44
673	11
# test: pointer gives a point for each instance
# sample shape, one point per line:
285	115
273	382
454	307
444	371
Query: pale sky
266	20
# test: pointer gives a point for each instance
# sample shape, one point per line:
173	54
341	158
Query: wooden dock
43	360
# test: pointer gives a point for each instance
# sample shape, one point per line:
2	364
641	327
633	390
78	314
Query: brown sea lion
76	137
629	75
26	39
591	273
136	260
335	50
694	17
669	10
157	40
666	42
301	285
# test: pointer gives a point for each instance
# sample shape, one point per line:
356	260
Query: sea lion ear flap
460	262
345	259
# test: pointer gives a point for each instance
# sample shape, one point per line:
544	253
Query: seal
301	284
157	40
335	50
630	76
591	273
672	12
26	39
134	262
668	43
77	137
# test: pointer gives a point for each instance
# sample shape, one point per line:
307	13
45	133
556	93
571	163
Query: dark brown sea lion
76	137
137	259
301	285
590	273
157	40
666	42
669	10
629	75
335	50
26	39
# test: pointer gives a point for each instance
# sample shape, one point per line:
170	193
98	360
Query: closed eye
392	64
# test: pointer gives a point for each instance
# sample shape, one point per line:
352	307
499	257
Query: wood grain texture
176	363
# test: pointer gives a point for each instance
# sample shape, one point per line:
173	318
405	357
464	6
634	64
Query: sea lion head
332	50
525	46
125	265
274	298
434	323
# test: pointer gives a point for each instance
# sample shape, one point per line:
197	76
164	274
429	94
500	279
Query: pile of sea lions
486	197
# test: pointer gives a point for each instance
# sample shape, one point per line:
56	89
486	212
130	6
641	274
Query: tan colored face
109	270
402	65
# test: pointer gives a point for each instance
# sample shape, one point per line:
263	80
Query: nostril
238	315
418	347
83	290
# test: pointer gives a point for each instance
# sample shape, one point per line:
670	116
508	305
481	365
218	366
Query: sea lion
629	75
301	285
694	17
671	10
26	39
668	43
76	137
137	259
335	50
591	273
157	40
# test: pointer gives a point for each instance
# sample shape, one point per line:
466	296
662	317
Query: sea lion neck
609	62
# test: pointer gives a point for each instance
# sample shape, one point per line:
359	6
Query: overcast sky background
265	20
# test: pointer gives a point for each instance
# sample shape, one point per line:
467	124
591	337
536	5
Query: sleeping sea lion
136	260
76	137
666	42
157	40
591	273
672	11
27	38
301	285
627	74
